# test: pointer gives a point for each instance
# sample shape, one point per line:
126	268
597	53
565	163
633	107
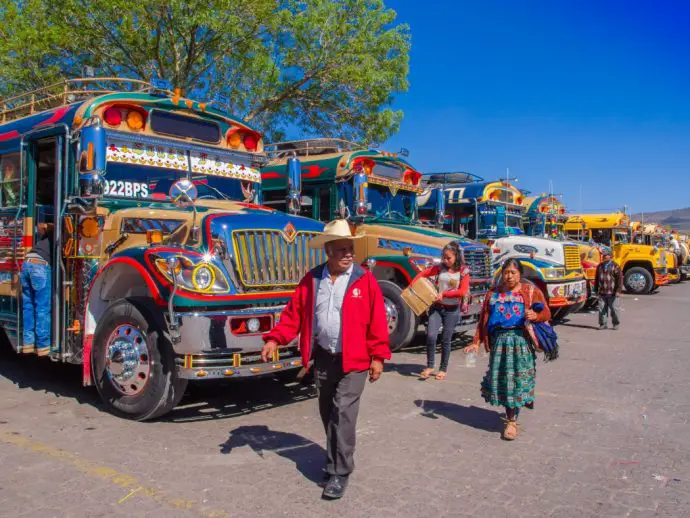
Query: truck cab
644	267
376	191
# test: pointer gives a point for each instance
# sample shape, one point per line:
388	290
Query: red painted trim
9	135
57	115
28	241
86	361
272	175
313	171
397	267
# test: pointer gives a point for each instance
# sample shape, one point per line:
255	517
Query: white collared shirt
327	310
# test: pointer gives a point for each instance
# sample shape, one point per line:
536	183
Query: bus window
9	180
45	173
602	236
325	204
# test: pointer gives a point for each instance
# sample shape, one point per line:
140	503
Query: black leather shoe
335	488
324	481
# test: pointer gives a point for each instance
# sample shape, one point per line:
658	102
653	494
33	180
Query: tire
638	280
148	386
402	322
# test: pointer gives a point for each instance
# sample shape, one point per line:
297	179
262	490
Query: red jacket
364	323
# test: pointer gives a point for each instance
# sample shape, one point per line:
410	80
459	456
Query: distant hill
679	219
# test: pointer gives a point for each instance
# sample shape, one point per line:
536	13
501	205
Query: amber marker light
135	120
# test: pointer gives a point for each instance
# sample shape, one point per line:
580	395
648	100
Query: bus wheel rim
127	360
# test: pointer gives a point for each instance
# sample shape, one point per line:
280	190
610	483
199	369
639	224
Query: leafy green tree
304	67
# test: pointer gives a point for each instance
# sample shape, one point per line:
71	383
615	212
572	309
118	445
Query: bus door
44	165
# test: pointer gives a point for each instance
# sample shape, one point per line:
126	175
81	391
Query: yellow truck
644	266
656	235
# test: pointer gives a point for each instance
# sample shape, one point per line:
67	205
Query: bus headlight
553	273
203	277
192	273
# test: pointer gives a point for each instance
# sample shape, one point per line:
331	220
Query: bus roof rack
459	177
310	147
67	92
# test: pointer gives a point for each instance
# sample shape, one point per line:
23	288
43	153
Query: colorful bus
644	267
166	266
377	192
494	212
546	217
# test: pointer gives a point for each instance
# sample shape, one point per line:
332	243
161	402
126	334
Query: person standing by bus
452	279
36	293
339	314
608	284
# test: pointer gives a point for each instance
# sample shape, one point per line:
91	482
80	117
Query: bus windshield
153	183
382	204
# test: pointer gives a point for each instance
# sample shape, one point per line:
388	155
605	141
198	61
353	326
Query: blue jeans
448	318
36	288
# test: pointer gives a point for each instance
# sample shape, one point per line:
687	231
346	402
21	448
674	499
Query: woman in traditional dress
452	280
505	331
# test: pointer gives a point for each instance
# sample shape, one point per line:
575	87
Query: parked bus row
177	235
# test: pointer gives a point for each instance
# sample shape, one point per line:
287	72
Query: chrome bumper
209	348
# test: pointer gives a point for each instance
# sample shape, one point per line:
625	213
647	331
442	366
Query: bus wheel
402	322
134	364
638	280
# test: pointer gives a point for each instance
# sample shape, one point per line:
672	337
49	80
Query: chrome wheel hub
637	282
391	315
127	360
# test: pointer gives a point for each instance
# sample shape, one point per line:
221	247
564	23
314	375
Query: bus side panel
12	250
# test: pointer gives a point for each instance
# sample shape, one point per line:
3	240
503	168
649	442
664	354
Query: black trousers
339	395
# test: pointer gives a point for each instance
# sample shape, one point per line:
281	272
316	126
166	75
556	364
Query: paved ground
609	437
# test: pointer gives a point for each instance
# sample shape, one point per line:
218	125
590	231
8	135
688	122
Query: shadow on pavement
203	401
309	457
41	374
212	400
581	326
476	417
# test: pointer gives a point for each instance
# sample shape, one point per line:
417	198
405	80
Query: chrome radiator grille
572	257
479	263
266	259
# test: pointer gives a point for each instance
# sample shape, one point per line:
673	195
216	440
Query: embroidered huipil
507	310
327	310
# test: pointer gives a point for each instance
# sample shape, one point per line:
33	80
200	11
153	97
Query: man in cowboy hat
608	284
338	312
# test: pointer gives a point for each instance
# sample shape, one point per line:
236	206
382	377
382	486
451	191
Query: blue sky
593	96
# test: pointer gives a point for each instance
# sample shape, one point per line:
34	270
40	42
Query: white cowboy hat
333	231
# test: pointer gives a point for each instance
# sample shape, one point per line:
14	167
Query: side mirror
440	207
92	160
294	197
361	193
183	193
91	185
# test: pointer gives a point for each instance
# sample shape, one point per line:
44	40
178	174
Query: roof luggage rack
310	147
67	92
459	177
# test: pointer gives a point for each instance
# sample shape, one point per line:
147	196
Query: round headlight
203	277
253	325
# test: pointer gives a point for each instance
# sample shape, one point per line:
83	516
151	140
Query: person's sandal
511	430
441	376
426	373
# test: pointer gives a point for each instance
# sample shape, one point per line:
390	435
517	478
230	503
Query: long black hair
454	247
